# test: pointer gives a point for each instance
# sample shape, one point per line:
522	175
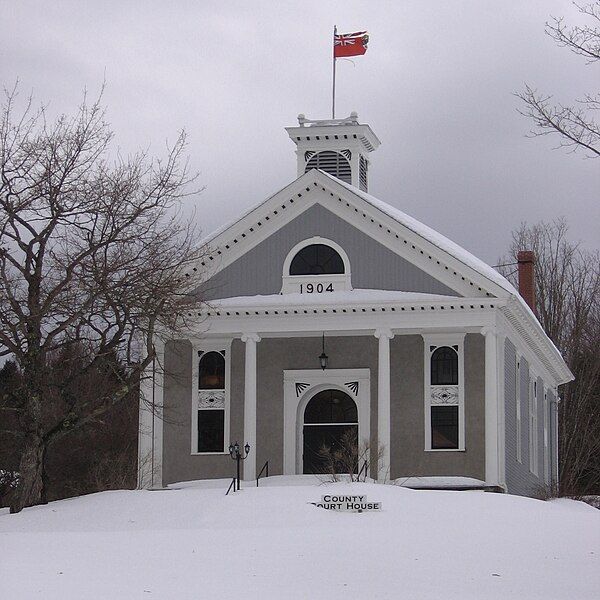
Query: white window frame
297	284
546	422
518	408
438	341
533	425
210	346
299	386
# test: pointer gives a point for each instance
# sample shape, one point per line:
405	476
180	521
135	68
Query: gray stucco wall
275	355
178	462
408	456
519	479
373	266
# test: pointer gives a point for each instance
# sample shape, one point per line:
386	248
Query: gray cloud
436	86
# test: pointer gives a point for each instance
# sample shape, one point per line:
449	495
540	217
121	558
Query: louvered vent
364	168
334	163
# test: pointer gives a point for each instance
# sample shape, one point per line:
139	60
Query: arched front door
330	421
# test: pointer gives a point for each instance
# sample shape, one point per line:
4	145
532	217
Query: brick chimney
526	262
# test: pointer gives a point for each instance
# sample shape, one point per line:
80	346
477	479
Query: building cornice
544	354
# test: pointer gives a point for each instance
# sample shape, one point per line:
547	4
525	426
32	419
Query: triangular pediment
428	261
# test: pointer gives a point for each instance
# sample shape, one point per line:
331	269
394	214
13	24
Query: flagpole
333	90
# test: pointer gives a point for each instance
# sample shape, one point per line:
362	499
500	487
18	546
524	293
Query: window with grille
317	259
444	392
533	427
211	402
444	427
334	163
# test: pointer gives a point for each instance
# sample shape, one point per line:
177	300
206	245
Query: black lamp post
236	454
323	358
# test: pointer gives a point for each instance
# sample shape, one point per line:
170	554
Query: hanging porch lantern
323	358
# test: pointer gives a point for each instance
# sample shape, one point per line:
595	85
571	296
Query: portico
381	320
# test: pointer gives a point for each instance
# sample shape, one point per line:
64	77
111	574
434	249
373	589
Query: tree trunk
30	489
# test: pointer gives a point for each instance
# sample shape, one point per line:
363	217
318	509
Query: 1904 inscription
316	288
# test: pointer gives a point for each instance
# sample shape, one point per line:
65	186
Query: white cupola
339	147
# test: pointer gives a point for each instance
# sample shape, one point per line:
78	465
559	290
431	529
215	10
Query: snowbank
270	543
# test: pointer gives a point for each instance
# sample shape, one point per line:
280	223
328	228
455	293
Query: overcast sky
436	86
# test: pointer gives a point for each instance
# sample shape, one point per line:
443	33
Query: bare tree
567	281
91	258
574	125
348	458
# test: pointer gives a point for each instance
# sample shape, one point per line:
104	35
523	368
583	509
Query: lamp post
236	454
323	358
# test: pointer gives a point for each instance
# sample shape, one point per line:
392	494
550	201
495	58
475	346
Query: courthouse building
332	314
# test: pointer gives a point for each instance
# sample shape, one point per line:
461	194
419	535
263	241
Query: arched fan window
331	406
444	366
317	259
334	163
211	371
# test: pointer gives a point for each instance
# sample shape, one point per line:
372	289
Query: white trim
384	418
492	441
297	283
546	418
210	345
519	424
533	425
438	341
250	408
296	398
407	316
318	187
151	420
537	347
501	407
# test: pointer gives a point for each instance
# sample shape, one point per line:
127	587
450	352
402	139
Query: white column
250	339
383	403
150	440
501	408
491	406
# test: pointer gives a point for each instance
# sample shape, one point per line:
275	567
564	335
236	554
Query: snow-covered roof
337	298
437	239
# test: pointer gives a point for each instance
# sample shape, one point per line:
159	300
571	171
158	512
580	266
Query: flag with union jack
350	44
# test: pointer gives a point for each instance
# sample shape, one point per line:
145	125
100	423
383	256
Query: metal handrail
230	485
265	466
364	468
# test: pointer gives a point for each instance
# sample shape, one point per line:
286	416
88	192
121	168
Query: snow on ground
270	543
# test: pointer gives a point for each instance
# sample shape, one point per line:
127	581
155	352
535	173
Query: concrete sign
347	503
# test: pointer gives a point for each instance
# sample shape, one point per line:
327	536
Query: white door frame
299	386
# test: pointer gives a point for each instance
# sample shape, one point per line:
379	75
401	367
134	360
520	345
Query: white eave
521	317
359	132
341	302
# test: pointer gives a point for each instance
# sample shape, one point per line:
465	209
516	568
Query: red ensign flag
350	44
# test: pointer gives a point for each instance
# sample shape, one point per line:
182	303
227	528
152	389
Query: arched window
317	259
334	163
444	403
444	366
211	403
211	371
331	406
330	433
